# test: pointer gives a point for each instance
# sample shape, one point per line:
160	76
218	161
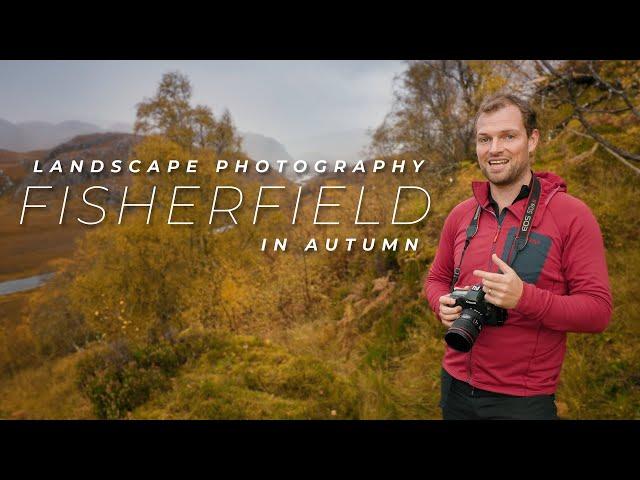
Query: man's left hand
501	289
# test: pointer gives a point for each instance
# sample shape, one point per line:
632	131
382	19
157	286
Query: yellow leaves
234	296
159	148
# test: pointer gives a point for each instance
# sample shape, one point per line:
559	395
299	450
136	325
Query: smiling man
537	253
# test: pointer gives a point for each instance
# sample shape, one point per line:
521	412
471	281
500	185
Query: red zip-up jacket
566	287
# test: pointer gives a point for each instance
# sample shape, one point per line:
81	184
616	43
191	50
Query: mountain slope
37	135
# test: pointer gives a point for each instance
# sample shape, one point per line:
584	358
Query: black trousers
460	401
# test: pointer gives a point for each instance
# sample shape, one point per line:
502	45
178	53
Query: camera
476	313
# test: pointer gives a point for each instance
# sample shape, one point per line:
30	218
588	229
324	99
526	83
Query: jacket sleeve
588	306
439	277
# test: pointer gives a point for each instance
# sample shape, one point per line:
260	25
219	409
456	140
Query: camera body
476	313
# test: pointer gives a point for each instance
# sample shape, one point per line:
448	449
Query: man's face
503	148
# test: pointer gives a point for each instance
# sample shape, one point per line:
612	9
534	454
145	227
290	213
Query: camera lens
464	331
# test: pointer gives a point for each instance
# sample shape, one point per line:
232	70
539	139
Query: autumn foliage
190	322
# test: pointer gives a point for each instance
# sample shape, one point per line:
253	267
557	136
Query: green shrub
242	377
119	379
122	377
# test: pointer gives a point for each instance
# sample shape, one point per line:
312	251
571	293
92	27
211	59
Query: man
548	272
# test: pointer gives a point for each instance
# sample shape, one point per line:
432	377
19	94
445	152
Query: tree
596	94
204	125
168	112
434	109
225	138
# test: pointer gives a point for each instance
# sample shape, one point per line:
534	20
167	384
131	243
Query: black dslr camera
476	313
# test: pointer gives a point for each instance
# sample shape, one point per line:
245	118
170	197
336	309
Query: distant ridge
17	167
104	146
26	136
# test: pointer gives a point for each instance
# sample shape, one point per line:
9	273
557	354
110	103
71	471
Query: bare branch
618	157
615	90
579	114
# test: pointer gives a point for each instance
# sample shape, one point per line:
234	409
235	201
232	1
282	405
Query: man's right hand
448	313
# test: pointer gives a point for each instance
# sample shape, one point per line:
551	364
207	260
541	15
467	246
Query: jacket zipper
495	240
493	247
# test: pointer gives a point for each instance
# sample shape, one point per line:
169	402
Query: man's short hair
497	101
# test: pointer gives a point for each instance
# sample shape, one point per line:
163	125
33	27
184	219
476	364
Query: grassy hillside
16	164
48	391
372	351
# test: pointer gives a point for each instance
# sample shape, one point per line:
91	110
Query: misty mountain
121	127
260	147
36	135
16	169
103	146
9	135
346	145
26	136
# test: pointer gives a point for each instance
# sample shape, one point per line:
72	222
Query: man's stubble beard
513	175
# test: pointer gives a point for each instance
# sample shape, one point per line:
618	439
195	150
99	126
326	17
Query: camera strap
520	240
522	237
472	229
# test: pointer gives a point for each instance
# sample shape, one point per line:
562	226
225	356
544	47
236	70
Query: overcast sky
287	100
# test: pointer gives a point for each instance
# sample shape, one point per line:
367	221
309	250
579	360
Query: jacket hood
554	181
550	184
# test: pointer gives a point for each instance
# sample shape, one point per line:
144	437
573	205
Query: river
23	284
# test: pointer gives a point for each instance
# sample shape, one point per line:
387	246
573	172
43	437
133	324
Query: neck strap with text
520	240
